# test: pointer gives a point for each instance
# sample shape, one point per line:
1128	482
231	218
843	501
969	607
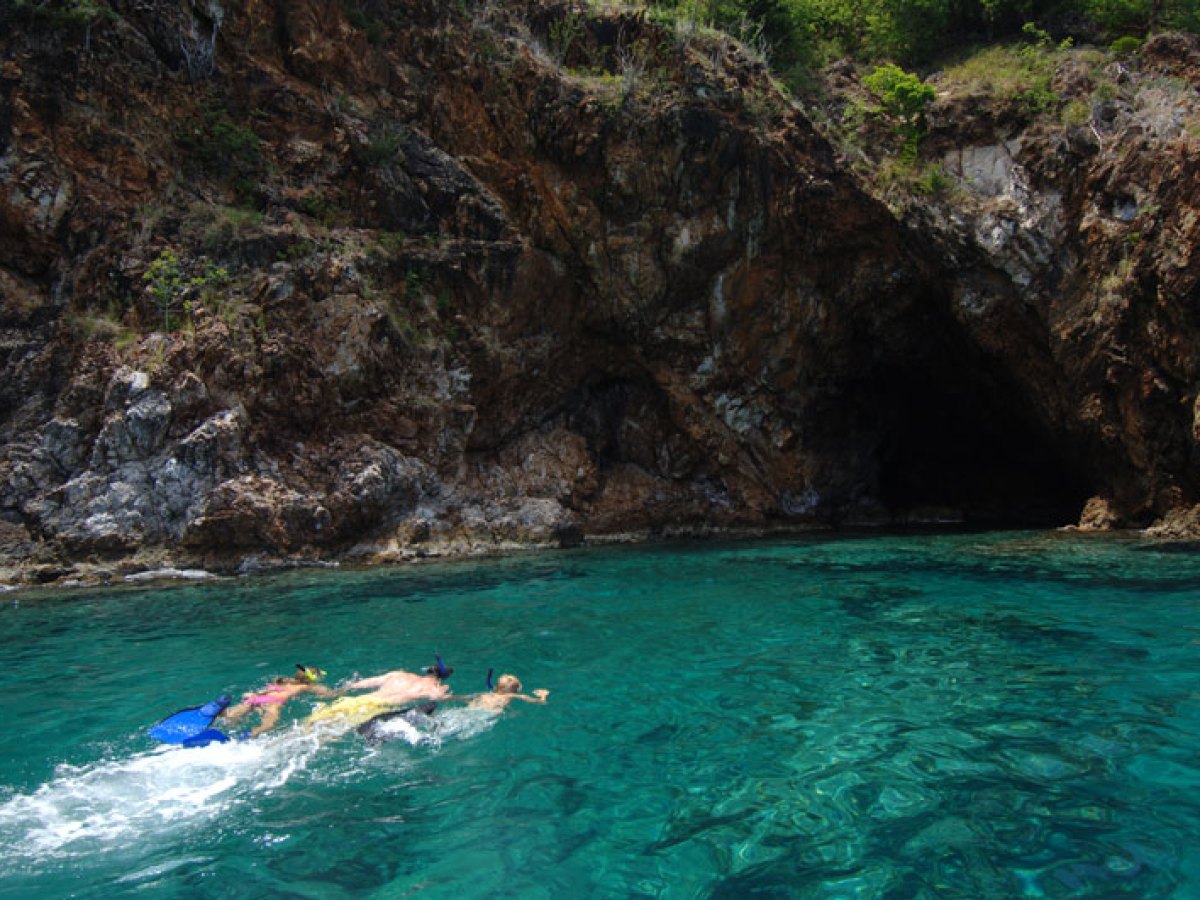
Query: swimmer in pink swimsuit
269	700
272	693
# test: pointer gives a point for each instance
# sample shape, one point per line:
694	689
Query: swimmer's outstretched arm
539	696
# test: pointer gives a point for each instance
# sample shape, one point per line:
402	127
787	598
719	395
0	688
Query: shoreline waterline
161	565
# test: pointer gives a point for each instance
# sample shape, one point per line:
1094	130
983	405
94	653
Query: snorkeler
506	690
391	689
417	724
270	699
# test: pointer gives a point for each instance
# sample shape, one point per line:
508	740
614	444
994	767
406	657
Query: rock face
438	277
1074	267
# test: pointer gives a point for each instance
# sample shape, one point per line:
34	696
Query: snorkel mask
311	674
441	671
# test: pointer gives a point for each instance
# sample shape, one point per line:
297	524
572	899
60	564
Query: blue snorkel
489	680
441	671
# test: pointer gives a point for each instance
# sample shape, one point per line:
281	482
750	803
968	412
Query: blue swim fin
191	727
206	737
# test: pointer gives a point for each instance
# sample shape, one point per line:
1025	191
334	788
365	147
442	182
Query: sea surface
969	715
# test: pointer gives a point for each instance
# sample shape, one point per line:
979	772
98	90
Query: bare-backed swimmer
506	690
379	728
391	689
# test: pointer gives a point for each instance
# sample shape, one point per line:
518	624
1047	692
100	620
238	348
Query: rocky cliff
322	280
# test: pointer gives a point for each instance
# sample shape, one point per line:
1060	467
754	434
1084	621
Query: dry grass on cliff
1009	72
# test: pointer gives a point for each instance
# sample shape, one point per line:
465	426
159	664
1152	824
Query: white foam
90	808
399	730
444	725
170	574
464	722
112	803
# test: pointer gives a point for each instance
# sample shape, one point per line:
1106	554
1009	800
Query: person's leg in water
270	718
269	709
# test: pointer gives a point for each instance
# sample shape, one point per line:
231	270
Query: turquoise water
922	716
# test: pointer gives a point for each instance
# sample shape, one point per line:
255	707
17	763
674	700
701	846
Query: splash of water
88	808
151	795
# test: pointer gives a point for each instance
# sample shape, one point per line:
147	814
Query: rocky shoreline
163	567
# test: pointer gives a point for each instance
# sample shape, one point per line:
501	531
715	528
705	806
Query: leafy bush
171	289
565	33
1126	45
382	148
62	14
934	181
375	29
225	149
1076	113
903	93
322	209
905	96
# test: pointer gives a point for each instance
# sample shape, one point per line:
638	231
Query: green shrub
382	147
170	287
1038	98
1126	45
564	34
375	30
221	147
63	14
905	96
414	283
322	209
1076	113
390	242
934	181
903	93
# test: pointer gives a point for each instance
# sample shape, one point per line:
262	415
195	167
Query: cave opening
965	441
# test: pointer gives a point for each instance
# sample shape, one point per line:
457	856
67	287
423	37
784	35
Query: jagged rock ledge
158	567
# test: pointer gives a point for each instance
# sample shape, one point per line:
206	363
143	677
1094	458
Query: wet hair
507	684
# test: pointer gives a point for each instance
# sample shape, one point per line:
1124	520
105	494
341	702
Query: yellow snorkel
311	674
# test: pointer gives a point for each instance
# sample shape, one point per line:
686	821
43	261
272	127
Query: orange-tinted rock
473	297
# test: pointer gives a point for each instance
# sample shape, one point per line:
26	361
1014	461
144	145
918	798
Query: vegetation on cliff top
801	33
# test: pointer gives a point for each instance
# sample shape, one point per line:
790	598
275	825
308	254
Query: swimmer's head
507	684
308	674
441	671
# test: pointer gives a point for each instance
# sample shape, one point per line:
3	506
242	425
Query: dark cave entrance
962	441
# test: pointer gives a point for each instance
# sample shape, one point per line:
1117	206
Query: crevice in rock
623	421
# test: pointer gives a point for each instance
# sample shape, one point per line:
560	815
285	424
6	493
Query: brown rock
1098	515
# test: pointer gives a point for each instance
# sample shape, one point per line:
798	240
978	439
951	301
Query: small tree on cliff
905	97
173	291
